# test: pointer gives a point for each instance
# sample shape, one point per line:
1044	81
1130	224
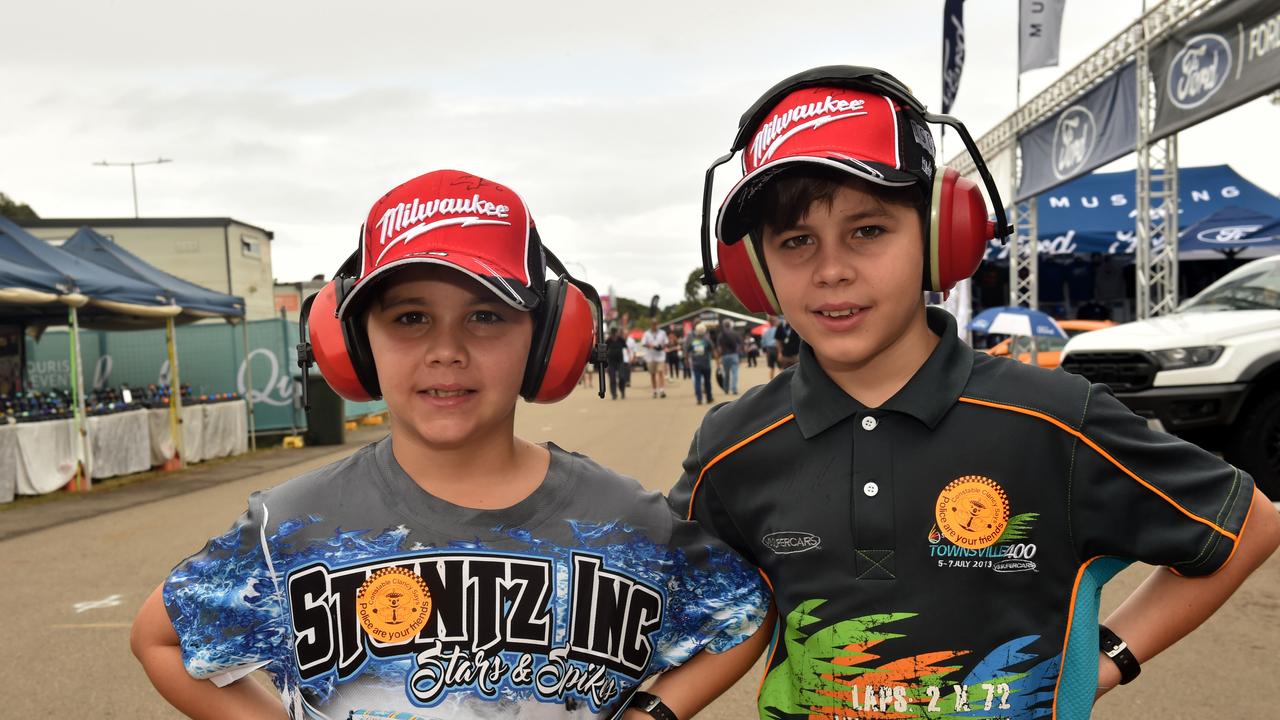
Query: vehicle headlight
1188	357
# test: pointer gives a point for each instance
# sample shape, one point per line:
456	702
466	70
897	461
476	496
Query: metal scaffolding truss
1024	257
1157	185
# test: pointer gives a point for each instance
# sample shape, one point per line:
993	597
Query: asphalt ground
76	568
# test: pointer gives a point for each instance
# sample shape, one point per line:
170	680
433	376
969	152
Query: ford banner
1226	57
1098	128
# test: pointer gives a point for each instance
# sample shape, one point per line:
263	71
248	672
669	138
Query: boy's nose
832	267
445	347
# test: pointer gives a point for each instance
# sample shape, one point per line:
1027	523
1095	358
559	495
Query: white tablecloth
208	431
226	429
162	442
120	444
36	458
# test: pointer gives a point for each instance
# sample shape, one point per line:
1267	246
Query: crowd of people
709	353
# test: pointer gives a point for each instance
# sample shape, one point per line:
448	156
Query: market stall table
36	457
119	444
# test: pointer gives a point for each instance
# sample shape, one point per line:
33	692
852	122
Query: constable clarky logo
973	529
789	542
972	511
393	605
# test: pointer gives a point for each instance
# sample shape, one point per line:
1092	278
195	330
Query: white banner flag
1039	29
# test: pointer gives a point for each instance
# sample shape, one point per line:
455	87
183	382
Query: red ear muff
742	268
329	345
563	337
958	231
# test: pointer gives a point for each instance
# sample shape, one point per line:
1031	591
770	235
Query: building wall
202	255
250	258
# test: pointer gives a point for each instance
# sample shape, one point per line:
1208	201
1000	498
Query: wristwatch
652	704
1116	649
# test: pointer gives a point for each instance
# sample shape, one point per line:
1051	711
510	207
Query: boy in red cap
453	569
935	523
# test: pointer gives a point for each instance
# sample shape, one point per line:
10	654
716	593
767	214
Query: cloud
297	116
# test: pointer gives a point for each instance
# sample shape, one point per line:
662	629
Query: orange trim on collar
1081	436
732	449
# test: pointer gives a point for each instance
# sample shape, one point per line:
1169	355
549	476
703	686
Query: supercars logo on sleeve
973	528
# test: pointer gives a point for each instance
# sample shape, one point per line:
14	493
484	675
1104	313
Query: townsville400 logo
1199	70
972	514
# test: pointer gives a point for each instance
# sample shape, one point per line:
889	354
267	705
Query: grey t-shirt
364	596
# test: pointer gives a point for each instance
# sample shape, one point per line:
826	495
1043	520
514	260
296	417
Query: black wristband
652	704
1116	649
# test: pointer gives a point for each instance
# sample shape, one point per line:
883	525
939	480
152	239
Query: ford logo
787	542
1074	139
1199	70
1230	235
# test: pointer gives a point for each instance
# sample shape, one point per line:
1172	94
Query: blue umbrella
1014	320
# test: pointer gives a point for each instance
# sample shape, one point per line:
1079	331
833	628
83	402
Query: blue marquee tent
106	290
1096	213
196	301
1230	232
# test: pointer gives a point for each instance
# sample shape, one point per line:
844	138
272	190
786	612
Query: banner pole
175	395
249	386
83	482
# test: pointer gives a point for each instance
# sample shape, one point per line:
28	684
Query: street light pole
133	174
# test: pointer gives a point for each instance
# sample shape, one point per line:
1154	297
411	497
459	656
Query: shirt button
868	423
870	489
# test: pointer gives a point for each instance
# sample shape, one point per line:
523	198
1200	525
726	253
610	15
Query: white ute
1209	372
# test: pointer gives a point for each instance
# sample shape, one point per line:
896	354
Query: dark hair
786	197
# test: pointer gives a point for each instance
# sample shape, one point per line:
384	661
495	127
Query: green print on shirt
833	673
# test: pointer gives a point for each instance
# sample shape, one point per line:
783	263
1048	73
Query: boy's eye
411	318
487	317
868	232
795	241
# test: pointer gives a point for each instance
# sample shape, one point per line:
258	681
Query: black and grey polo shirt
941	555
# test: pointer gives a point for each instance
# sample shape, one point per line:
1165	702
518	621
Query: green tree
15	210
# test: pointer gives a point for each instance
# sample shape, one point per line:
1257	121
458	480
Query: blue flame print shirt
365	597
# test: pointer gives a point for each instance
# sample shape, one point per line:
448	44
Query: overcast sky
297	116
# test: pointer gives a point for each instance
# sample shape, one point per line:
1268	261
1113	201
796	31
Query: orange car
1048	349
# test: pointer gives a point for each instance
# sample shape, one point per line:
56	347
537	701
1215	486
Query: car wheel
1255	445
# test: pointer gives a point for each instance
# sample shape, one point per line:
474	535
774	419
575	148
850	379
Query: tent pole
77	395
249	386
175	394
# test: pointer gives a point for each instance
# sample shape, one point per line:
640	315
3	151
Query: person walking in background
654	341
700	350
730	355
769	345
615	348
751	348
788	345
673	355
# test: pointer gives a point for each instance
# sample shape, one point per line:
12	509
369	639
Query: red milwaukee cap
862	133
459	220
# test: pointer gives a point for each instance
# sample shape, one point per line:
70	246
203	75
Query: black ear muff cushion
546	320
330	346
744	271
570	347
